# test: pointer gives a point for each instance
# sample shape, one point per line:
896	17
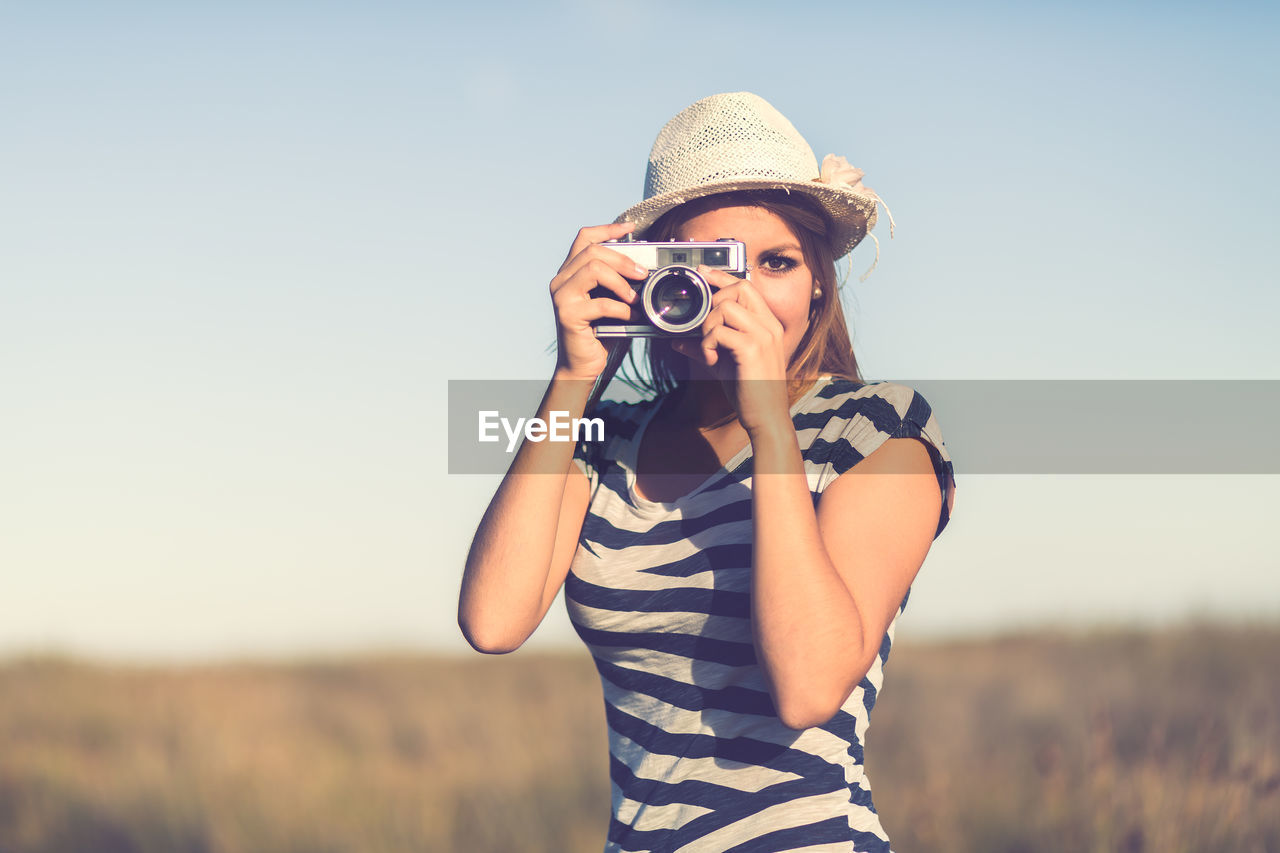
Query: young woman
737	549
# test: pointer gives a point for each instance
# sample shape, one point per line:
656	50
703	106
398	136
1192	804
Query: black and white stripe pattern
660	592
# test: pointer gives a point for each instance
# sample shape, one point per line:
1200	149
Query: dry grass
1120	741
1162	742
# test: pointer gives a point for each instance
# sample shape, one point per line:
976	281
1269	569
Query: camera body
674	298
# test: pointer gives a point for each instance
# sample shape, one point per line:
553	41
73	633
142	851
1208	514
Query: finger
708	349
722	336
746	296
737	316
741	291
576	314
752	311
713	319
598	271
604	271
725	294
598	257
749	296
717	277
601	307
763	332
592	234
581	316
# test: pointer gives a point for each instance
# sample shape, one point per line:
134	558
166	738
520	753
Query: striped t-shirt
660	592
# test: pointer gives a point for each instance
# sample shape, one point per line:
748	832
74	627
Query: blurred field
1165	741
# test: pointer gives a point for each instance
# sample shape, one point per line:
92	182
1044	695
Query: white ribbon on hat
838	172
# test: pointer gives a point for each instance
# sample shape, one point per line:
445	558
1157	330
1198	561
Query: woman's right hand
579	353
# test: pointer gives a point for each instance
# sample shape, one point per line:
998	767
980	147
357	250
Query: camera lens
677	299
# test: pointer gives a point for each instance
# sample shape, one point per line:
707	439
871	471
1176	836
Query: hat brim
852	214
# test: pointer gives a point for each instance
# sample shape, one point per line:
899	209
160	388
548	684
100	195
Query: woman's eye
778	263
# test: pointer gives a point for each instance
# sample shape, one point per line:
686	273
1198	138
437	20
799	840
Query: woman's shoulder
846	420
884	403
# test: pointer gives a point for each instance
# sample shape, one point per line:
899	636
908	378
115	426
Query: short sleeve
860	418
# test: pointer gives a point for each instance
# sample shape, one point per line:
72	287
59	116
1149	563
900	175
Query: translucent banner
989	426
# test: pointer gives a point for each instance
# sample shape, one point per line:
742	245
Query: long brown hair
825	347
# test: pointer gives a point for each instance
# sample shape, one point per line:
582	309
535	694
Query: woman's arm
826	583
527	538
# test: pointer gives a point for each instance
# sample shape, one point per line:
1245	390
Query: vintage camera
674	299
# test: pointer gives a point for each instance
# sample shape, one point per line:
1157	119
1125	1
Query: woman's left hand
743	346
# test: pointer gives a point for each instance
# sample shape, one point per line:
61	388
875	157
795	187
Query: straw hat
738	141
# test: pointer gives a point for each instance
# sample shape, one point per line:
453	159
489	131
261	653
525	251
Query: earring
817	291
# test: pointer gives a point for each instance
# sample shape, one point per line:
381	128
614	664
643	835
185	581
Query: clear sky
245	245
